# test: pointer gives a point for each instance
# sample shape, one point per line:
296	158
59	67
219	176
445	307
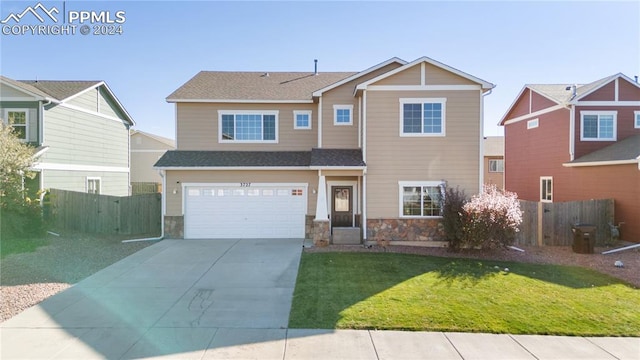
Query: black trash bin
584	238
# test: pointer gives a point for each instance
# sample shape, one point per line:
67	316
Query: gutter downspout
572	132
162	212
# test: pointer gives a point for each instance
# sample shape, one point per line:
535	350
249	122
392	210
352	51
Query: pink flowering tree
488	220
492	218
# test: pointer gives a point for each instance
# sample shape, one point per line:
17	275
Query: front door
341	206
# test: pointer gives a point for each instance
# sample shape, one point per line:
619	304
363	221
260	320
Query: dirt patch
558	255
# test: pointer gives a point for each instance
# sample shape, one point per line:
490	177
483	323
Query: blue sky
165	43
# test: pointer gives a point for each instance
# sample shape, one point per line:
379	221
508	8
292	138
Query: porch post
321	232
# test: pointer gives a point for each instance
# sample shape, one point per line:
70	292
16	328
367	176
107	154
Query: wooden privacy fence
138	188
550	223
103	214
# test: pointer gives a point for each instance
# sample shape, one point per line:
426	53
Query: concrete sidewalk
230	299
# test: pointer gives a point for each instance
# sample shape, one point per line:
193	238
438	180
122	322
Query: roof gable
359	75
485	84
24	88
160	139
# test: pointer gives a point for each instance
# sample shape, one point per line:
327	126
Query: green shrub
453	217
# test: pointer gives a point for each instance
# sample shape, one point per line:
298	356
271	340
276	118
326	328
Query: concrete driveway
230	299
167	299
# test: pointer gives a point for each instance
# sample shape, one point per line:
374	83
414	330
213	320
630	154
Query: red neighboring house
577	142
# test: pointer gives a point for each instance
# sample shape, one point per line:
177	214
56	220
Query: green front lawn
412	292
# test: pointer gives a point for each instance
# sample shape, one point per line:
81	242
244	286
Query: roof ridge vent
265	75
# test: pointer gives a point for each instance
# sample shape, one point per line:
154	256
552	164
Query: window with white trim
93	185
598	125
302	119
342	114
533	123
18	119
248	126
422	117
496	165
421	199
636	118
546	188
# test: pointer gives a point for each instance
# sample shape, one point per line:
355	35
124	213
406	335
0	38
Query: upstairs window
247	126
342	114
18	119
302	120
598	125
636	119
422	117
496	165
532	124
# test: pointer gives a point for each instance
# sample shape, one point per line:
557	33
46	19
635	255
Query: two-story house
310	154
79	129
577	142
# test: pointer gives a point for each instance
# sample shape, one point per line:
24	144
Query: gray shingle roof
336	157
60	90
560	94
315	157
182	158
623	150
215	85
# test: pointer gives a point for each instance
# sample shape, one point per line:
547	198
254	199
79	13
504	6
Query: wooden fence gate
550	223
104	214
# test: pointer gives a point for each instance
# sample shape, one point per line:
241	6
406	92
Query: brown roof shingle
59	89
272	86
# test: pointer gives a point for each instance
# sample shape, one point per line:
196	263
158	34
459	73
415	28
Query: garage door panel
234	212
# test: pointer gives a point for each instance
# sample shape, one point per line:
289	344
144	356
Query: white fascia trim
534	114
83	91
94	113
242	101
19	89
40	152
515	101
228	168
422	87
607	81
602	163
359	74
78	167
605	103
148	151
363	168
483	83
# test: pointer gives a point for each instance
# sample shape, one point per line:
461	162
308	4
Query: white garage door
229	211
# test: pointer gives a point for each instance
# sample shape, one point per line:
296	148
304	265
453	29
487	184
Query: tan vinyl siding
410	76
87	100
76	137
111	183
344	136
175	179
438	76
198	127
390	158
142	166
143	142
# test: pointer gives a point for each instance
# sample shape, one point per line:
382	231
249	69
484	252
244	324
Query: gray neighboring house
80	131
